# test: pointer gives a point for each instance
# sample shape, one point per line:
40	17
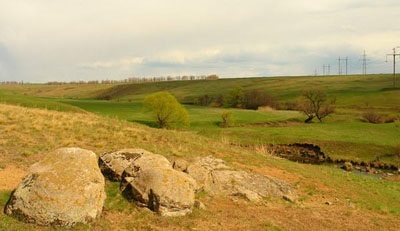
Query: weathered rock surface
215	177
151	182
65	188
202	169
113	164
180	165
163	190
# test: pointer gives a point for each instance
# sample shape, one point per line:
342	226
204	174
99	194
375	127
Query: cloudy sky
69	40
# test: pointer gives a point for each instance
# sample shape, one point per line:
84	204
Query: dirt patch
10	177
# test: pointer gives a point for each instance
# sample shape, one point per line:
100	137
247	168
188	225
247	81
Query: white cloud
99	39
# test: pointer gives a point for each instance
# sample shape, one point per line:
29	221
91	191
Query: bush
235	98
253	99
227	119
204	100
373	117
166	110
315	104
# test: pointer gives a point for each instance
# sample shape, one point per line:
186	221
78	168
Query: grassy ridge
350	91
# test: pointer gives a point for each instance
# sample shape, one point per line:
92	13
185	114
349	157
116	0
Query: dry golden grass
26	134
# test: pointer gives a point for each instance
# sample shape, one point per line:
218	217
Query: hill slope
355	199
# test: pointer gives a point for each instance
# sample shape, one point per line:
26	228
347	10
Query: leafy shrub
235	98
227	119
166	110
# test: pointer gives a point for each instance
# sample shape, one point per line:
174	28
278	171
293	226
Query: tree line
141	80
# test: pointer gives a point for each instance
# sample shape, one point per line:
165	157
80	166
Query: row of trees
141	80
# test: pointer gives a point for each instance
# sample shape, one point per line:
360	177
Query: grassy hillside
342	135
350	91
28	133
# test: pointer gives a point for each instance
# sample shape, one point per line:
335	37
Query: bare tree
315	104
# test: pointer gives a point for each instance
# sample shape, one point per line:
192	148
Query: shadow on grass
146	122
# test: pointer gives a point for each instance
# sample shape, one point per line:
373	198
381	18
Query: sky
72	40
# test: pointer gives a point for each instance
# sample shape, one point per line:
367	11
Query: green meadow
342	135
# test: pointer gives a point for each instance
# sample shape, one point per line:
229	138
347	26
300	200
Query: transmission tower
347	60
364	63
394	65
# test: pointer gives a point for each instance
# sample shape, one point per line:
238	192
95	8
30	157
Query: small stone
347	166
288	198
328	203
200	205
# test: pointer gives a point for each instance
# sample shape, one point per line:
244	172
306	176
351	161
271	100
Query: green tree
166	110
235	98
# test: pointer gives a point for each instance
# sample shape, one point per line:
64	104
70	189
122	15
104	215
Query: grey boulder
63	189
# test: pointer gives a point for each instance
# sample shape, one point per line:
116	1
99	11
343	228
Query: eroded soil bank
312	154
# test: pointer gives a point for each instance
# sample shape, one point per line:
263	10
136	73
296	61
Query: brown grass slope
358	202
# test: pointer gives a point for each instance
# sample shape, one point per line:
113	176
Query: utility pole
340	69
323	69
329	69
394	65
346	59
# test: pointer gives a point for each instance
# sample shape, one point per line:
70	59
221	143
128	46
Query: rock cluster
150	181
65	188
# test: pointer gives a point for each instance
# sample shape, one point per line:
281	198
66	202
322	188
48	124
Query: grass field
342	135
28	133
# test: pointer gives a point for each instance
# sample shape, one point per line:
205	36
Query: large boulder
113	164
216	178
202	171
252	187
163	190
151	182
65	188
